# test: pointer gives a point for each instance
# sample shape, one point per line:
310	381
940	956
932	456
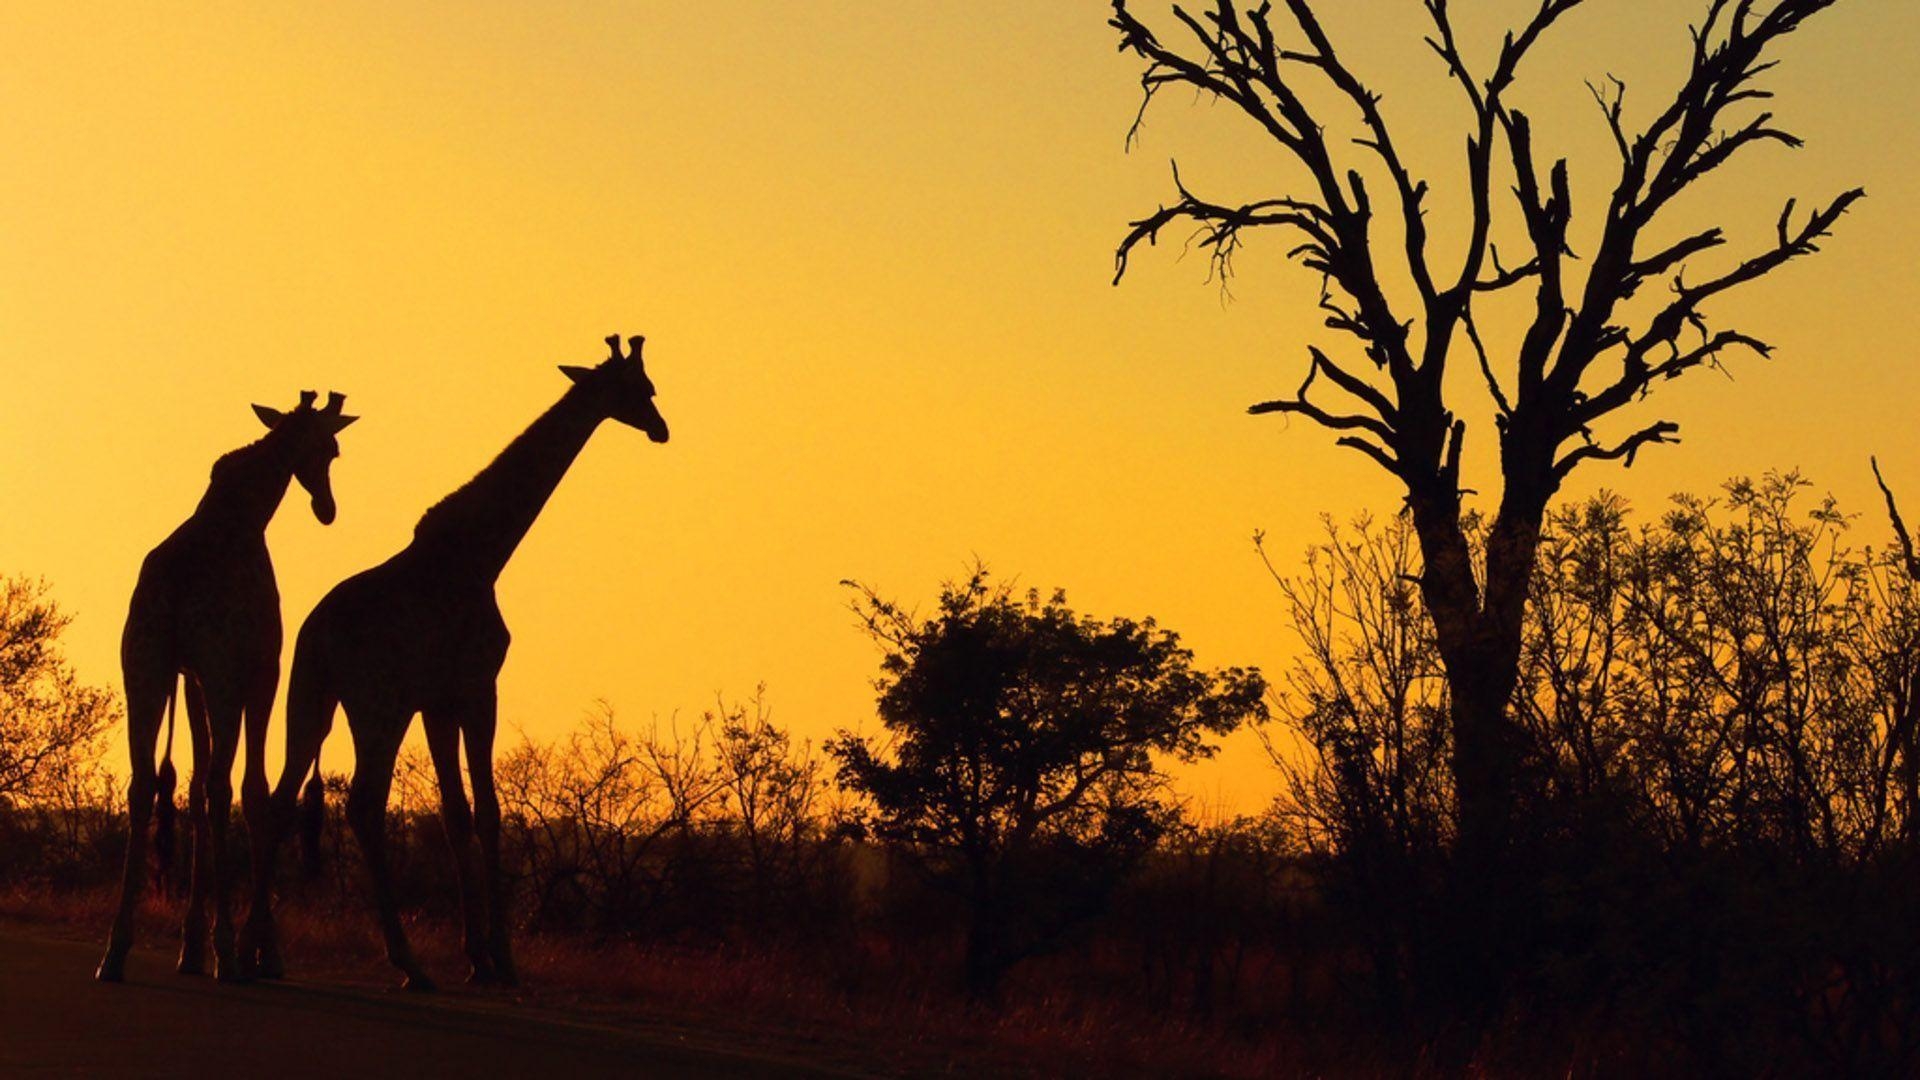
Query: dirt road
56	1021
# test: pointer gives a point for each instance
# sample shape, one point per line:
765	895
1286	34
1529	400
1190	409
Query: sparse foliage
594	810
52	725
1733	674
1718	710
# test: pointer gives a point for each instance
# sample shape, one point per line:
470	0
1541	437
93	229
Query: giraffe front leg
223	725
456	819
193	927
376	745
259	945
259	939
479	728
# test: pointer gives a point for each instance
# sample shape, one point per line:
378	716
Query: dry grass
874	1009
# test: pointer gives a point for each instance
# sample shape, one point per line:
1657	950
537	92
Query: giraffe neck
246	488
475	530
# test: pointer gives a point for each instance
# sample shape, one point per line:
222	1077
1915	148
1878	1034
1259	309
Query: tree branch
1663	432
1665	328
1378	427
1299	405
1220	228
1899	527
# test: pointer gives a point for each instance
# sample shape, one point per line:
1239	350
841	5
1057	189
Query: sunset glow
871	248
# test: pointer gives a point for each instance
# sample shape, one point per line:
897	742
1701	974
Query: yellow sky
870	245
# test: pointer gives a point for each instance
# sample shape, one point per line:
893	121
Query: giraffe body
422	634
206	608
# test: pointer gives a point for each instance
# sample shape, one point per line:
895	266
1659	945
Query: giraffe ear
576	373
269	417
341	422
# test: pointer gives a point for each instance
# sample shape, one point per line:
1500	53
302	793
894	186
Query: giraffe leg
259	947
479	724
223	726
456	817
310	707
376	744
193	928
146	687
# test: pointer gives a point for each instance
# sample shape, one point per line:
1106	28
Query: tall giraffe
206	607
422	633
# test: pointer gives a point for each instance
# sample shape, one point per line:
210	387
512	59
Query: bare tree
1584	357
770	789
595	811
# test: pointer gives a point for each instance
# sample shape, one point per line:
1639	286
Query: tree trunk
1479	635
986	952
1479	631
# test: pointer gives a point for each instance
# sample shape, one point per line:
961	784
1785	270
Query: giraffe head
308	436
620	387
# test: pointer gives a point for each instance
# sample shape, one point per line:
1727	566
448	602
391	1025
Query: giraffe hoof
416	982
113	969
191	964
481	975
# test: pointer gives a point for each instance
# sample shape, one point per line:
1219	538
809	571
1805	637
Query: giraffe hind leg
146	688
478	727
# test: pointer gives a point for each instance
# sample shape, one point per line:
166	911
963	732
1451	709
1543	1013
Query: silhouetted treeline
53	737
1719	700
1719	711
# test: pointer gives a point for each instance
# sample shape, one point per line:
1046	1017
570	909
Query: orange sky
870	245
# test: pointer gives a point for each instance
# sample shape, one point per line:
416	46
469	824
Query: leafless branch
1662	432
1899	527
1221	225
1378	426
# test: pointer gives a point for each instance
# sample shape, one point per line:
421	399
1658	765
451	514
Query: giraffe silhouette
422	634
206	607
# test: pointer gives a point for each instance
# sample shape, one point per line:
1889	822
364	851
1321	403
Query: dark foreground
56	1021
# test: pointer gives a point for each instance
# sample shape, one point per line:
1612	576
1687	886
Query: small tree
597	812
1021	772
769	789
52	726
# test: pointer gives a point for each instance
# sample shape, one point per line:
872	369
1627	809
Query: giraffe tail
164	811
313	821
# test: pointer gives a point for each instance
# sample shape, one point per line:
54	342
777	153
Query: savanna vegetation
1719	708
1569	788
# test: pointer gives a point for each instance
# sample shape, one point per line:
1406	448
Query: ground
55	1020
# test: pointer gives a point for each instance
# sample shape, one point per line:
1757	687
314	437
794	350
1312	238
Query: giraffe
206	607
422	634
